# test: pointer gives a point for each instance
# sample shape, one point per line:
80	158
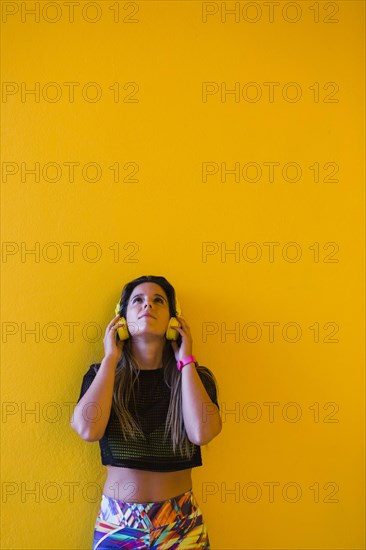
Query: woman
150	406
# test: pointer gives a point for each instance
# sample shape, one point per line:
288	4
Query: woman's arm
91	414
202	418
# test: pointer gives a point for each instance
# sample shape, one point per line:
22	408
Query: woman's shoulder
93	369
206	374
209	381
204	370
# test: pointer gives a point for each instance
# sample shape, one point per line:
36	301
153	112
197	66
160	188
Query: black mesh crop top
152	402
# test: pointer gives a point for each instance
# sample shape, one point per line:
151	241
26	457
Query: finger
114	328
113	320
117	325
182	321
183	327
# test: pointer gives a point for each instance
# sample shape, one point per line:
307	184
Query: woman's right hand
111	347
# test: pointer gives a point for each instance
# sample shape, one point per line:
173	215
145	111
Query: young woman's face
148	310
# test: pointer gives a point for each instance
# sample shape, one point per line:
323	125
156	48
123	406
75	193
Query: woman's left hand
185	348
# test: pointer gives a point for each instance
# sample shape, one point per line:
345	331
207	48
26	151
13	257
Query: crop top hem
149	468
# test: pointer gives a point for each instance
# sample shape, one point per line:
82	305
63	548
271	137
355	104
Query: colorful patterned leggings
176	523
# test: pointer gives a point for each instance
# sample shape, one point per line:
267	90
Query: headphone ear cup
122	332
172	334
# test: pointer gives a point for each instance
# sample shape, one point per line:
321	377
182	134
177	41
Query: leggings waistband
148	514
145	504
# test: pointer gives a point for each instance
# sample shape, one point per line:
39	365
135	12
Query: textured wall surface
218	144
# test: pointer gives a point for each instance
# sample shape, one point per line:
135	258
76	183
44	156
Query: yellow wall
284	475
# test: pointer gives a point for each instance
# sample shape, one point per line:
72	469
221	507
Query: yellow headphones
170	334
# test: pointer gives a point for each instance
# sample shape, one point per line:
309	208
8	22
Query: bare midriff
131	485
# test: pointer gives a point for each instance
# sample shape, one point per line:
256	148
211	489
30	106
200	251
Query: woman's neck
149	356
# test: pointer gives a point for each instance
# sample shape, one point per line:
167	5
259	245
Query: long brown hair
127	372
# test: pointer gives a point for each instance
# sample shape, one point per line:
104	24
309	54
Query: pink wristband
185	361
